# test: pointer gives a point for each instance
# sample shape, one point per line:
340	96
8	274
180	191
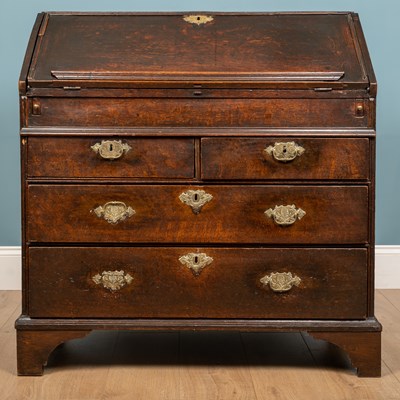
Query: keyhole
196	259
198	18
284	149
111	147
196	197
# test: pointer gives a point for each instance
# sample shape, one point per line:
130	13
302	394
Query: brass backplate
198	19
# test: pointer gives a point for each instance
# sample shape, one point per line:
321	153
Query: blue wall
380	20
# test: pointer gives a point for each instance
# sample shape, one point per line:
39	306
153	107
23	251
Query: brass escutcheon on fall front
198	19
111	149
285	215
113	280
196	261
284	151
280	281
195	199
114	211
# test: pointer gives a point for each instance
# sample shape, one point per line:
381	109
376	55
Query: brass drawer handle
111	149
114	211
285	151
113	280
196	261
196	199
285	215
280	281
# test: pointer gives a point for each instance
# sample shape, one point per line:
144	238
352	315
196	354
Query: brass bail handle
114	212
285	215
281	281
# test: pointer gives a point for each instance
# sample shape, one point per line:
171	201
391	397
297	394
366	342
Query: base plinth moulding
361	340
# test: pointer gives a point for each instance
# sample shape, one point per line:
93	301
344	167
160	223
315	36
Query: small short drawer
102	157
203	214
167	282
285	158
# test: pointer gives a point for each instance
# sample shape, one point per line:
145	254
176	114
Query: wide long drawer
57	157
220	283
285	158
187	214
201	112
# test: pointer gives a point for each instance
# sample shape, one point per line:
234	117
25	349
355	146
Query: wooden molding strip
186	75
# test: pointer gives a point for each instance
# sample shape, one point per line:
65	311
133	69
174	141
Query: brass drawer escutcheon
196	199
114	211
111	149
113	280
280	281
285	215
284	151
198	19
196	261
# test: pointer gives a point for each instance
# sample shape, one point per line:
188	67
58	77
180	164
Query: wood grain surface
68	158
333	283
201	112
236	214
246	158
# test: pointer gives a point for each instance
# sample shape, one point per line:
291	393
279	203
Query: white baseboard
10	268
387	267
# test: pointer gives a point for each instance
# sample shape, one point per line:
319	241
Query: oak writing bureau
198	171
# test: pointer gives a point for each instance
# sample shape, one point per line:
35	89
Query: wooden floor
197	366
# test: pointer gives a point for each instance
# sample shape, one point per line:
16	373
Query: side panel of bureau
234	214
66	283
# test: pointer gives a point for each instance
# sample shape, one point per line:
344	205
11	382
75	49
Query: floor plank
340	377
76	370
275	359
392	295
9	304
197	366
213	366
144	366
389	316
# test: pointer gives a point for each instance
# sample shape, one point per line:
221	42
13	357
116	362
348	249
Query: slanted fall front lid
208	49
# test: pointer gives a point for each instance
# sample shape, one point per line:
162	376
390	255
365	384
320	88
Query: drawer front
110	158
172	214
203	112
285	158
236	283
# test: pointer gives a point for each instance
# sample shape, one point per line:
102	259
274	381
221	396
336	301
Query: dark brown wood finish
198	104
34	347
229	287
68	158
236	214
200	112
363	348
238	158
230	48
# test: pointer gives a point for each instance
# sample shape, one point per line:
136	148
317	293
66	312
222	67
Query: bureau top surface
278	50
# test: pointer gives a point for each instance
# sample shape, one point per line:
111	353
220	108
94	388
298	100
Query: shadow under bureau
198	172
